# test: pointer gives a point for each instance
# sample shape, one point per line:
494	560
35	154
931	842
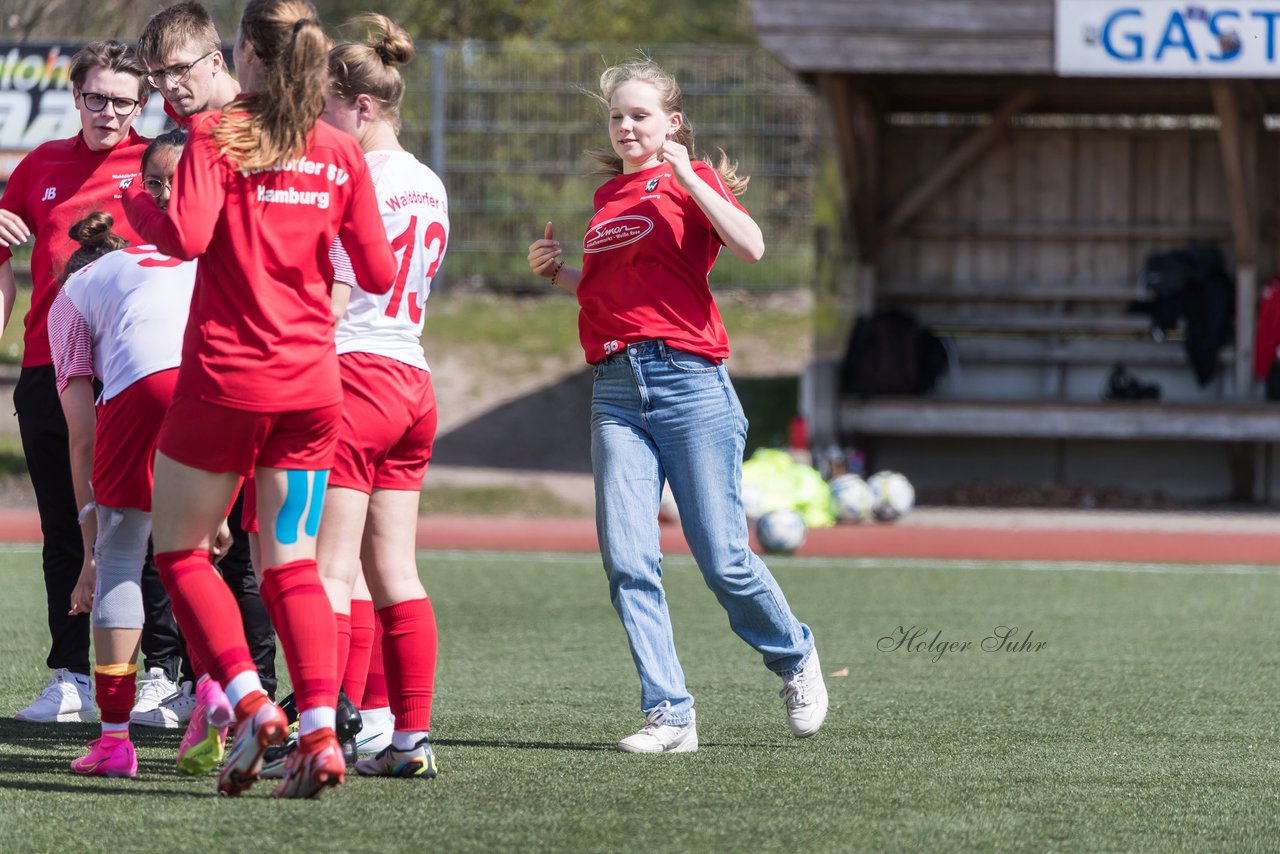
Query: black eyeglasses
96	103
155	185
176	73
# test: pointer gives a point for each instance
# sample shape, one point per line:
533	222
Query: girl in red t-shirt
260	194
663	408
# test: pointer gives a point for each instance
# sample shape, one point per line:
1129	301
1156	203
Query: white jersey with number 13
415	213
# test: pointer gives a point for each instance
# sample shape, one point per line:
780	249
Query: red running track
892	541
901	541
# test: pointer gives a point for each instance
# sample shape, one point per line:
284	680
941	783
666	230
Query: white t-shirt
415	212
121	318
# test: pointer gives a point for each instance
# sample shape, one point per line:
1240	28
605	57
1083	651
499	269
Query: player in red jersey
389	416
50	189
663	408
261	192
181	50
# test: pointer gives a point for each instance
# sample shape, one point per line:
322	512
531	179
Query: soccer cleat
204	742
67	698
375	732
265	727
108	757
418	762
805	695
277	755
173	711
316	763
348	721
657	736
152	690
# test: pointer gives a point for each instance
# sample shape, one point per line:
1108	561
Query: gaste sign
36	104
1163	38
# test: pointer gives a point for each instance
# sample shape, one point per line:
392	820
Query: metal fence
517	119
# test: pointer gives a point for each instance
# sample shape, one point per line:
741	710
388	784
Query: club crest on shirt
617	232
651	186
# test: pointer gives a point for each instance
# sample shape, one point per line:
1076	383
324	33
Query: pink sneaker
108	757
205	740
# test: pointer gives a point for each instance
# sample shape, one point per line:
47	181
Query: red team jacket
52	188
260	335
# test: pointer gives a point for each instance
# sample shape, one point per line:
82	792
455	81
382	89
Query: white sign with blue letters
1163	38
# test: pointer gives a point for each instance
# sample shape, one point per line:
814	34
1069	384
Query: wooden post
1238	143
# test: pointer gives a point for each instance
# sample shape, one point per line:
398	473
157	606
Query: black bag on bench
889	353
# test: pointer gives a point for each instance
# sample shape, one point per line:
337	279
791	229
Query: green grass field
1146	722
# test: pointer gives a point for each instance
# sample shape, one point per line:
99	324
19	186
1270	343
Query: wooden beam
1231	145
1238	145
954	165
855	125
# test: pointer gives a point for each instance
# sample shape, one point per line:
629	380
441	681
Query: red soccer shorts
388	424
125	441
216	438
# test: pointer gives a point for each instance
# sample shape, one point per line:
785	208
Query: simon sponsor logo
616	233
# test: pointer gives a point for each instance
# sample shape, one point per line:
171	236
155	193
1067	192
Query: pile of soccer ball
885	497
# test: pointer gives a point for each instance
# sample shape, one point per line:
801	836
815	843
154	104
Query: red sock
114	695
343	622
375	686
300	610
206	613
356	672
409	649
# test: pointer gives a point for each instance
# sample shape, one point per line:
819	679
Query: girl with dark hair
116	320
261	192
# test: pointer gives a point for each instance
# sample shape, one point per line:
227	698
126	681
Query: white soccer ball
894	495
781	531
854	498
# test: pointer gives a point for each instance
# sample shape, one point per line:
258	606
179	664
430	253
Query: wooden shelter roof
963	56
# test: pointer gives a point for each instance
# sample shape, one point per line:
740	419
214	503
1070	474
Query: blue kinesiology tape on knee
304	497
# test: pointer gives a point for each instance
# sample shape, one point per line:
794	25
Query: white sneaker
152	690
375	731
173	712
67	698
805	694
657	736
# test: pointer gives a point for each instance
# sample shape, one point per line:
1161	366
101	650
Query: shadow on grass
519	745
37	758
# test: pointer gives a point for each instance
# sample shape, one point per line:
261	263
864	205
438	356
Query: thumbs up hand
544	254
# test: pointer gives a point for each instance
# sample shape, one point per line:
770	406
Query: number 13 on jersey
419	269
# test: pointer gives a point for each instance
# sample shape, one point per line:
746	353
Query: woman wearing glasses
51	188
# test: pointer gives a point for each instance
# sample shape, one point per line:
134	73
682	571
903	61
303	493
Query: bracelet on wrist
556	271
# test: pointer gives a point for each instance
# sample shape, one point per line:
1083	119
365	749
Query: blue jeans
662	414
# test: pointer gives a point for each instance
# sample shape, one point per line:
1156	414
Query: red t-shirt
647	255
260	334
52	188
